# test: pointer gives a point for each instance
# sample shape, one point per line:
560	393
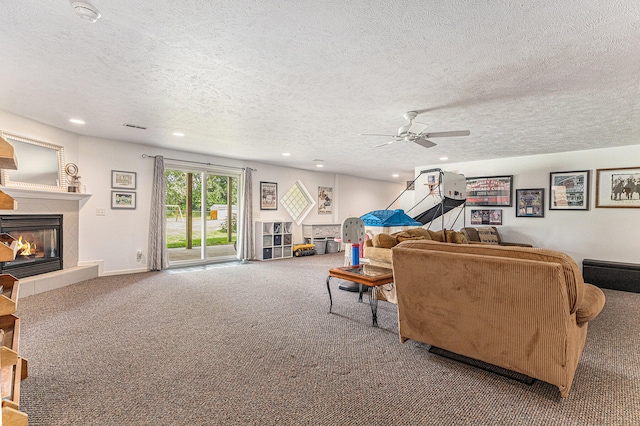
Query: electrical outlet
139	255
99	212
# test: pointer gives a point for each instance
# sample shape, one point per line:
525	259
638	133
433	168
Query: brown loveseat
523	309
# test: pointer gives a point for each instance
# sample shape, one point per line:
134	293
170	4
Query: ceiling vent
85	11
134	126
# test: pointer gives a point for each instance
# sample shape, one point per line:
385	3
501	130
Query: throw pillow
437	235
488	236
455	237
419	232
405	236
384	241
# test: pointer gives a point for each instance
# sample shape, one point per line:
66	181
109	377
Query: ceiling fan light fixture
85	11
402	130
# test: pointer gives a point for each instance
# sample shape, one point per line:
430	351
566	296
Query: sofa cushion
488	236
419	232
384	241
471	234
455	237
437	235
404	236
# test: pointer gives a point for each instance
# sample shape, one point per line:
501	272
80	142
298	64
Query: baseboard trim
124	272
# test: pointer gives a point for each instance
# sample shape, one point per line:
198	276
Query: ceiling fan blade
424	142
417	128
384	144
376	134
447	134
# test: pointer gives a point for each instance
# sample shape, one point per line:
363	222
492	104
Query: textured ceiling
253	79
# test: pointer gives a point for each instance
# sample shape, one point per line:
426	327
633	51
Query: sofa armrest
378	256
592	304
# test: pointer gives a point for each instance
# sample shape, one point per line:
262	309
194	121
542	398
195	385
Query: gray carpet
253	344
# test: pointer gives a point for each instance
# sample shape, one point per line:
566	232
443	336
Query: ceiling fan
409	132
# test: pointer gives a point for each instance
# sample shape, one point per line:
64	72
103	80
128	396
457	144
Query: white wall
114	239
599	233
352	196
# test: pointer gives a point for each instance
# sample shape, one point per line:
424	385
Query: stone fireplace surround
68	205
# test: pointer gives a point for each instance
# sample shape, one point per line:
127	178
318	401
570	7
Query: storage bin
321	245
333	246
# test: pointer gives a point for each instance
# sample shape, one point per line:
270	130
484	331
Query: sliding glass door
201	214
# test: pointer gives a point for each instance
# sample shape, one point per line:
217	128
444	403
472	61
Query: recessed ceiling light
179	134
320	165
395	175
85	11
286	154
444	158
76	121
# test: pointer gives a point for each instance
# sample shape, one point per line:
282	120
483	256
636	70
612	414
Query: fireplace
39	244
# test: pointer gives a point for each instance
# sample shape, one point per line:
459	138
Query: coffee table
363	275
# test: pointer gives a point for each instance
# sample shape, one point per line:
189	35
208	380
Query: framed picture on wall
486	217
569	190
489	191
325	200
618	188
123	180
268	196
530	202
123	200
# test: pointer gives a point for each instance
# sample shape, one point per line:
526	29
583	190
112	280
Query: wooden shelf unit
13	369
7	202
8	248
8	158
274	240
9	294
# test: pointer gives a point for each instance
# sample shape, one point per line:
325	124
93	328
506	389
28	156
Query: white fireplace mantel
48	195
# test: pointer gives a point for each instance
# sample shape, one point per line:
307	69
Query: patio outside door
201	215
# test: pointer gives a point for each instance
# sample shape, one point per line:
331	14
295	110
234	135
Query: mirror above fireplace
40	165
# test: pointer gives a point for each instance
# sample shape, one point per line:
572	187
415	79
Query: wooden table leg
329	290
373	302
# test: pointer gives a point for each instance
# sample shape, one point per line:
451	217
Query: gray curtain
158	258
245	231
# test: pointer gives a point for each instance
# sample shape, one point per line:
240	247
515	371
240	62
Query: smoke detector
86	11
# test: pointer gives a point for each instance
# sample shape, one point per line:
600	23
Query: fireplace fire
39	248
27	249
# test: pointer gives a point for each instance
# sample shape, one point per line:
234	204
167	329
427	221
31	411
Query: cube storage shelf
274	240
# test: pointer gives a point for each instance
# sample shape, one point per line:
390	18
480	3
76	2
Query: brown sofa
377	250
523	309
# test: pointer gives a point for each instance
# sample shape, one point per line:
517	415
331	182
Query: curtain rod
200	162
